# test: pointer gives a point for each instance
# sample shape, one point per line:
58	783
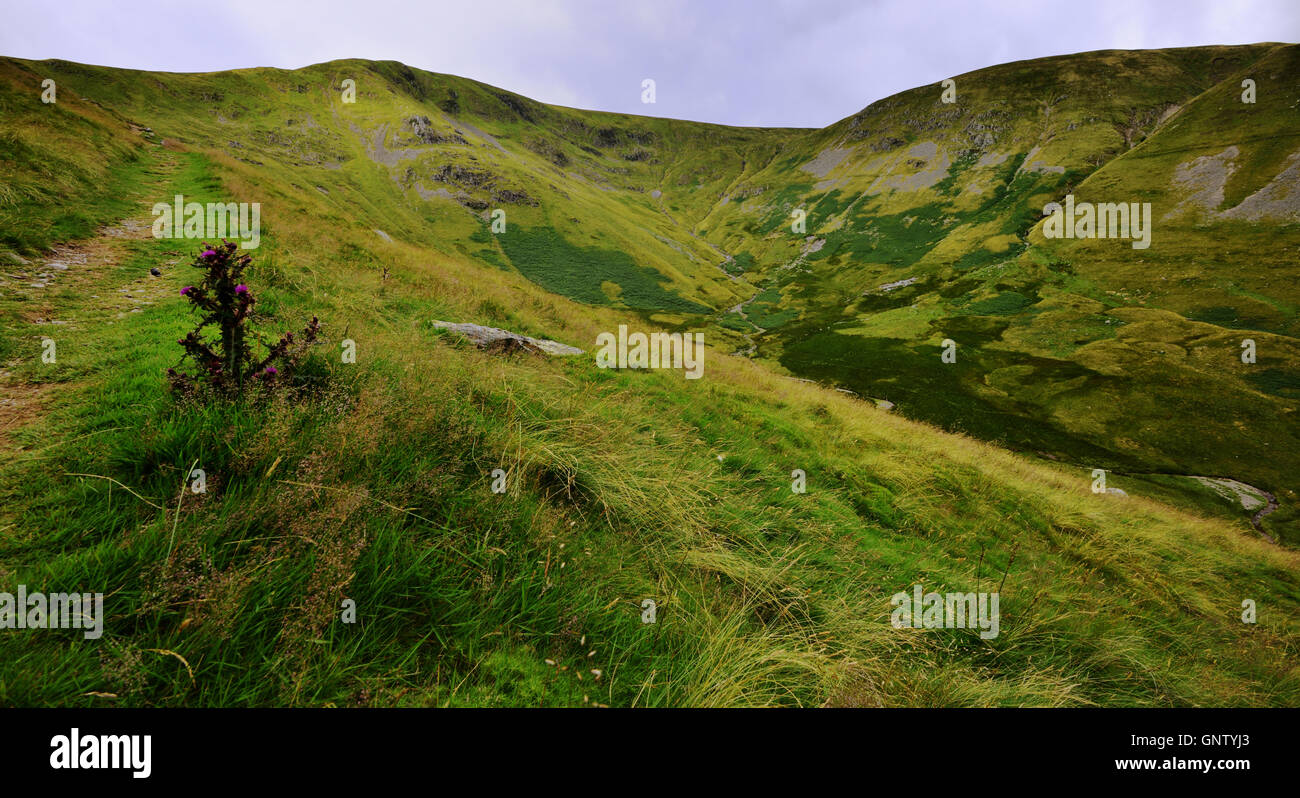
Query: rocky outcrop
425	132
505	342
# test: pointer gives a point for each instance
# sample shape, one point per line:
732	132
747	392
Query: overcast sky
763	62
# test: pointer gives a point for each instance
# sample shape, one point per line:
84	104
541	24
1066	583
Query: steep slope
922	221
919	220
1223	180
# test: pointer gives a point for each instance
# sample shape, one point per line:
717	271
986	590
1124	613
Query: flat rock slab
1250	496
506	341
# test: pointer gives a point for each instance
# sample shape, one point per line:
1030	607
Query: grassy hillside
373	481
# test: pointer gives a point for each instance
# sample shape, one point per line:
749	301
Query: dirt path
82	265
69	290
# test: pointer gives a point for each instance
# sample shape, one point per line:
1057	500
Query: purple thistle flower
241	289
271	371
186	290
208	253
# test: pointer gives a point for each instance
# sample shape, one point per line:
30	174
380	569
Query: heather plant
226	365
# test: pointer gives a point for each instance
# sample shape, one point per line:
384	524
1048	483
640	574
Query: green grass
375	485
548	259
1007	303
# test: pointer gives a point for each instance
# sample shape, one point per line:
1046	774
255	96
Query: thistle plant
226	364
